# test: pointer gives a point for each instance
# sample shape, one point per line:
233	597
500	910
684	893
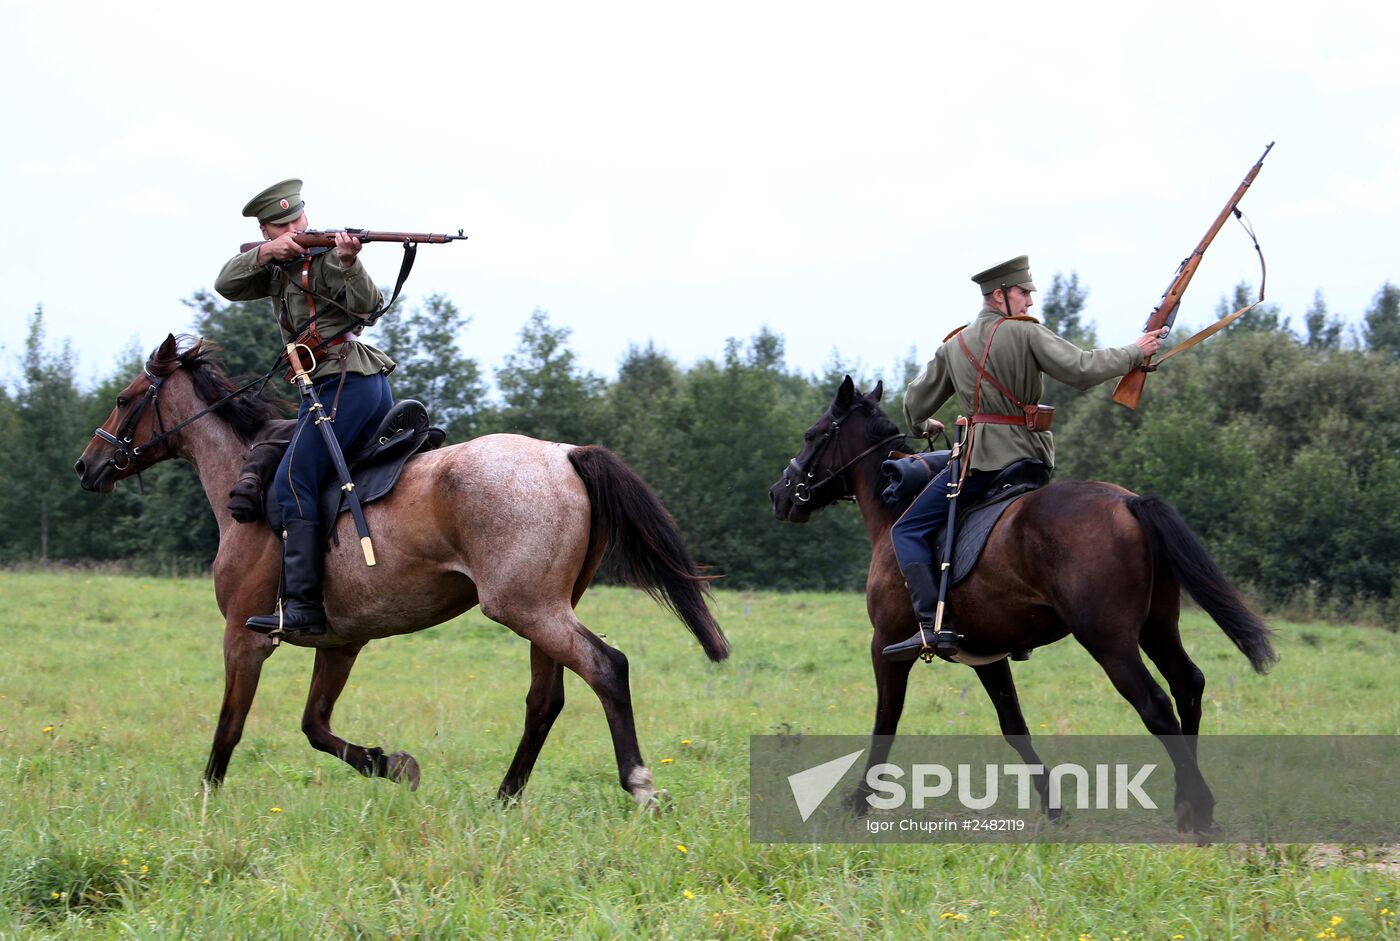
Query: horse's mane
245	413
879	425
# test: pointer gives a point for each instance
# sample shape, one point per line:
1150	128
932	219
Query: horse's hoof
658	803
403	769
856	802
1185	818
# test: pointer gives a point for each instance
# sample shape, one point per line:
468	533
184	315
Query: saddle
907	475
375	465
974	524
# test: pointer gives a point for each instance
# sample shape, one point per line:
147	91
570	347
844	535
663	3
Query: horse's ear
877	393
167	350
846	394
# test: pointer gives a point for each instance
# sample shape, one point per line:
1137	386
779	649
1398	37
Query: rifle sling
1205	334
1225	321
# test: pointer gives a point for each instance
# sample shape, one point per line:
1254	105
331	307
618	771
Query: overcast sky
687	173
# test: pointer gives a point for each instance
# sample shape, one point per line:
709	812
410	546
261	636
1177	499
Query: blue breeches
364	401
913	533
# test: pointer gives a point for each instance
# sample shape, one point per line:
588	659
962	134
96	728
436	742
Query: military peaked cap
1013	273
280	202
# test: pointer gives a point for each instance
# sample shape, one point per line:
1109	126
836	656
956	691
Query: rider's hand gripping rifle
1129	390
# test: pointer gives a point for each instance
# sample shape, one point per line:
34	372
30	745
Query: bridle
125	453
798	476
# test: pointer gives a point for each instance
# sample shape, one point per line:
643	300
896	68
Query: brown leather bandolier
312	343
1032	417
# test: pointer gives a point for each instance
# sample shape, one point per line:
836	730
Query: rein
121	441
803	491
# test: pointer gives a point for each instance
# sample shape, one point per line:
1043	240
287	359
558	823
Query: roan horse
516	525
1083	558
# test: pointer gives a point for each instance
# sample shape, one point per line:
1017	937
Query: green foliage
1062	310
431	366
1324	331
545	393
1382	332
43	521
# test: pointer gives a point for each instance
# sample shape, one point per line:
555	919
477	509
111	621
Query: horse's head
131	440
853	427
139	432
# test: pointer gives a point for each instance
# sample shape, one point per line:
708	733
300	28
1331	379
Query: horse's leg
328	677
1161	641
891	685
1001	689
1195	805
244	653
542	706
561	637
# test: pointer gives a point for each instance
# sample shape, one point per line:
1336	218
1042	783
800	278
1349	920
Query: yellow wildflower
1337	920
680	848
685	741
667	761
48	729
688	894
277	810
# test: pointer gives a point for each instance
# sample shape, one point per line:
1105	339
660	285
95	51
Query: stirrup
924	645
282	628
945	646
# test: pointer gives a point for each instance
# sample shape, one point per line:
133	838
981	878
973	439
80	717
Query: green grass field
109	688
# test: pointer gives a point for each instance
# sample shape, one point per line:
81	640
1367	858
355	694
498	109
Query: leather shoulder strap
982	369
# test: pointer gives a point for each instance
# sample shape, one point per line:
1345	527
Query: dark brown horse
516	525
1083	558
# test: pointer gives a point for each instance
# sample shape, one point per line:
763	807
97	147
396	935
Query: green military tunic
1022	350
352	289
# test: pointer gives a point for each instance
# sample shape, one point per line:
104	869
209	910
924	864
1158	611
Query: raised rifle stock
325	238
1129	390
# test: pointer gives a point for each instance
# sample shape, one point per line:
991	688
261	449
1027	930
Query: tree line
1280	446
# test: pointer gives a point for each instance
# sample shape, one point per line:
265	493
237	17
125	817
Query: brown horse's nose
80	467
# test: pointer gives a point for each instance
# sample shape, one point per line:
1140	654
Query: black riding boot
923	591
303	567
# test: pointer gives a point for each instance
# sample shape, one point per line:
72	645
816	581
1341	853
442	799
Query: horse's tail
1173	542
644	544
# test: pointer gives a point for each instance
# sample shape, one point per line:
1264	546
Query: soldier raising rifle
993	383
323	302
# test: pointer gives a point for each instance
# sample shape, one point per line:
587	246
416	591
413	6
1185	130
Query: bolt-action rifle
317	242
1129	390
325	238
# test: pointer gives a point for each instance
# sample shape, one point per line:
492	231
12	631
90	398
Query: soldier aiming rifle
324	298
